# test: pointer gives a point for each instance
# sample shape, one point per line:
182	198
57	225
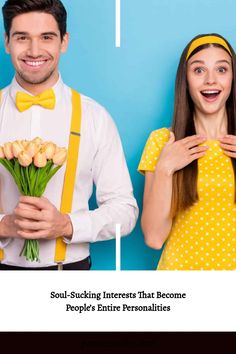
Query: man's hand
38	218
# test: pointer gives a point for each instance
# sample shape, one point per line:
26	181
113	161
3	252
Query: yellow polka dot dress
203	236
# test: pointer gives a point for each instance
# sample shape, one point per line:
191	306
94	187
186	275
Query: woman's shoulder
161	135
156	141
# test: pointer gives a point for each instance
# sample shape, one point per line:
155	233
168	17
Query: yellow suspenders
71	167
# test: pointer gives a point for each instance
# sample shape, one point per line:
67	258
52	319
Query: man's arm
114	193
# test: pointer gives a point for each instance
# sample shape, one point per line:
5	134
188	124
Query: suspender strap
1	255
1	251
71	167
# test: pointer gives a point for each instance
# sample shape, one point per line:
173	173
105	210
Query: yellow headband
207	40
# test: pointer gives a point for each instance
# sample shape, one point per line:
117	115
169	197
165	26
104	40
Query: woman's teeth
210	93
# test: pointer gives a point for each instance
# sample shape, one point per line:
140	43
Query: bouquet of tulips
32	164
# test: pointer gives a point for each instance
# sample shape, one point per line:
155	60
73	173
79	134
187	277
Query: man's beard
35	81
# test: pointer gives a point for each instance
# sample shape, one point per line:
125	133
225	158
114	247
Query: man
35	37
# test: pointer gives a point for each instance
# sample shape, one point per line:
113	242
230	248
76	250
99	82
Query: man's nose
34	48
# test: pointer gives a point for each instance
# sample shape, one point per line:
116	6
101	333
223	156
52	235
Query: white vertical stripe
35	122
117	23
117	247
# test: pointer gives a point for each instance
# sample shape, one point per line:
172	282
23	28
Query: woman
189	195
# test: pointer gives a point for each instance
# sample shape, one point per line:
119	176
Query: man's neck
36	89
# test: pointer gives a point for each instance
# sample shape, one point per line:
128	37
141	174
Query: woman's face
209	77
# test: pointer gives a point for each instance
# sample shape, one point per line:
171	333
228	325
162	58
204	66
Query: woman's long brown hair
185	192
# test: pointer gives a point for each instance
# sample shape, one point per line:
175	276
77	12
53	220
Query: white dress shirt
101	161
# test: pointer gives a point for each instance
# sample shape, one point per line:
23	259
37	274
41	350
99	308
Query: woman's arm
156	221
156	218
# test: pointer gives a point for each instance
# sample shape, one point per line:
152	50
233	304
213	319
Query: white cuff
82	228
4	241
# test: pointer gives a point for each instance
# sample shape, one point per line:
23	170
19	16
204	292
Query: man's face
35	46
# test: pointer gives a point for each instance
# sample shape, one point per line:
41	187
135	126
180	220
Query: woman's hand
228	144
175	155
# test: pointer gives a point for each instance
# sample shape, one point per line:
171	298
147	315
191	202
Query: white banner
117	301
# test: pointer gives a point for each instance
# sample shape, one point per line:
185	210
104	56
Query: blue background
135	82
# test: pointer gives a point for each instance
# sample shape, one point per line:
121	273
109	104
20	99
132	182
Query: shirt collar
16	87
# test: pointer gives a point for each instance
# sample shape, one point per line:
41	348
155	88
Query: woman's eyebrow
223	61
217	62
197	62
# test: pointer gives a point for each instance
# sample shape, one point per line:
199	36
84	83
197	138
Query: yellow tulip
17	148
2	155
32	148
24	143
37	140
49	149
40	159
7	148
24	159
60	156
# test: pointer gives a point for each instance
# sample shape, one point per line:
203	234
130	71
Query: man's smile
34	64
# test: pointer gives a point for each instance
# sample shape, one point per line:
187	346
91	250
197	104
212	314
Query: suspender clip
59	266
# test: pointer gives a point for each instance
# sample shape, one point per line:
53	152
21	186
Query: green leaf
30	250
52	173
32	170
28	180
45	170
23	180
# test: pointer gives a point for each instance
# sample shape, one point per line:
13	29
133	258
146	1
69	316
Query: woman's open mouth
210	95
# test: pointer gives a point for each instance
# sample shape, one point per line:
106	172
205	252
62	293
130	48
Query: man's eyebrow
18	33
21	33
49	34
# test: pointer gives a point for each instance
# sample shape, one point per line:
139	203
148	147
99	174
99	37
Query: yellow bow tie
46	99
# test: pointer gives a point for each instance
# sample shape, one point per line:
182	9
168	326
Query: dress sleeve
155	143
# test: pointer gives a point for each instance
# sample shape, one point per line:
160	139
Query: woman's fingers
228	139
198	149
192	141
228	147
197	156
230	154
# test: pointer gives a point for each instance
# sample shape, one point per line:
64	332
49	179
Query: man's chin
34	80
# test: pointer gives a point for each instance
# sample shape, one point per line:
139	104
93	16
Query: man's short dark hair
13	8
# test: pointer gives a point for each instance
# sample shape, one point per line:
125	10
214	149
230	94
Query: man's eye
22	38
46	38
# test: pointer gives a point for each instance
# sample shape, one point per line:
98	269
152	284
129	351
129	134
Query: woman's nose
210	78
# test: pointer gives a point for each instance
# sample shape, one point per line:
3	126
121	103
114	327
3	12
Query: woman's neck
212	126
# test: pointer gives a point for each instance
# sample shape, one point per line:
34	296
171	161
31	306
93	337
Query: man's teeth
35	63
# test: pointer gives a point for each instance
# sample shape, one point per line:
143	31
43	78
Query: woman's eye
222	70
198	70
